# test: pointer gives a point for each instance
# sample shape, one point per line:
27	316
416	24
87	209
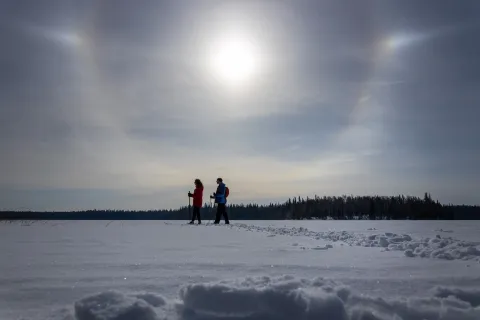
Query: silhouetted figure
221	201
197	196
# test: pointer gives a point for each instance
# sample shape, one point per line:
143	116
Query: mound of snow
471	296
278	298
438	247
118	306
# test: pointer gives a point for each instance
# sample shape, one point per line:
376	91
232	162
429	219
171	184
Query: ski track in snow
438	247
269	298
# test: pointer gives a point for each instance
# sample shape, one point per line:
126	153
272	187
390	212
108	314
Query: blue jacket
220	194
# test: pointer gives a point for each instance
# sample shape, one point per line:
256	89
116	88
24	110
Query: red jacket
198	197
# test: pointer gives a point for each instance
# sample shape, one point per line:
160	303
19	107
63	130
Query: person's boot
191	222
225	216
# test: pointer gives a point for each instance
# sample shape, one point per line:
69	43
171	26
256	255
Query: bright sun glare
234	59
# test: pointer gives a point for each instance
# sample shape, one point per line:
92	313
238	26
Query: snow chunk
409	253
114	305
471	296
383	242
262	298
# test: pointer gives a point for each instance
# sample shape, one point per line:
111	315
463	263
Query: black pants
196	214
221	210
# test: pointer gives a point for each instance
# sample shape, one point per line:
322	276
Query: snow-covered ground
363	270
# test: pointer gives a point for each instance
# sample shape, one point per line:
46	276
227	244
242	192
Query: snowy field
145	270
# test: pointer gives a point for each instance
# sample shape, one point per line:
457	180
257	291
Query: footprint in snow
446	231
326	247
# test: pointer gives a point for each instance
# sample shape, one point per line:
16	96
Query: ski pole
212	211
189	208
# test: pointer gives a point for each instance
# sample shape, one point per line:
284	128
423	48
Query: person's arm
220	192
196	194
214	195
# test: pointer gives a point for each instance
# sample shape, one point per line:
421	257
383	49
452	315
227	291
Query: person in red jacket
197	196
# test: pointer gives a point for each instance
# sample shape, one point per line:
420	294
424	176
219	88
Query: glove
190	194
212	197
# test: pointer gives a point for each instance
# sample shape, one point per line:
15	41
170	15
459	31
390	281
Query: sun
234	59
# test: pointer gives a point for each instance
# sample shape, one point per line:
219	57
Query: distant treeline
338	208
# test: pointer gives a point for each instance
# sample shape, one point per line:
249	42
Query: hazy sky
115	104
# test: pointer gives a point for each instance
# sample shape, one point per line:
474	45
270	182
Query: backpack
227	192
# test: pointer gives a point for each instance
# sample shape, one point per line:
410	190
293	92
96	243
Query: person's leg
194	214
219	213
225	214
198	214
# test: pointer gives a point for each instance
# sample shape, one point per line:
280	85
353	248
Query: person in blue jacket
221	201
